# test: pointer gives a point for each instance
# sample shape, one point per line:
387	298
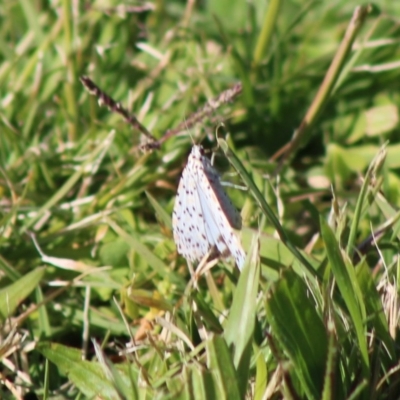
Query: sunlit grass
95	300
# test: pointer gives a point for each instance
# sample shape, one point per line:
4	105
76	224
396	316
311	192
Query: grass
95	300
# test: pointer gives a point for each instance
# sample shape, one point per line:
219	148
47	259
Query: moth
204	219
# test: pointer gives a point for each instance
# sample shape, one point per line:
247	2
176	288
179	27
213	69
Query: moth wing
230	211
218	225
187	222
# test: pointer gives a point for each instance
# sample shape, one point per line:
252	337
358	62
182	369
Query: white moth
204	218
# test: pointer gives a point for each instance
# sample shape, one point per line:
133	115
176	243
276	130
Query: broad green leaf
374	308
114	253
291	311
125	388
381	119
88	376
12	295
347	283
240	324
222	367
273	253
261	374
203	385
341	161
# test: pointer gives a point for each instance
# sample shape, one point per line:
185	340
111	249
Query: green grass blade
100	206
31	16
126	389
261	374
202	384
234	160
156	264
359	16
222	366
300	331
347	283
89	377
92	162
12	295
371	172
241	321
373	305
163	216
331	377
267	29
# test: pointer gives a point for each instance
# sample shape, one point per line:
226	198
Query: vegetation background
94	300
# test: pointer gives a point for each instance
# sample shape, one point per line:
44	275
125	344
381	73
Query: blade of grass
221	364
359	15
120	384
203	384
12	295
44	319
374	167
93	160
233	159
294	320
241	321
155	263
373	304
347	283
240	65
331	366
88	376
267	29
261	373
30	15
164	217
